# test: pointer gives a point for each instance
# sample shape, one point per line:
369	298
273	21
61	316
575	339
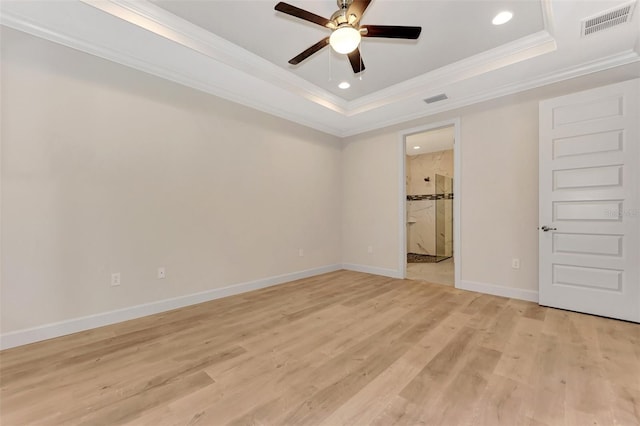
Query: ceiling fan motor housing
339	17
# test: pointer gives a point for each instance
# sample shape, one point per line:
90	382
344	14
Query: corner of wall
75	325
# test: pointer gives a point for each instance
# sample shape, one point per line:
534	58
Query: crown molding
432	83
165	24
613	61
53	29
428	84
154	19
143	36
547	17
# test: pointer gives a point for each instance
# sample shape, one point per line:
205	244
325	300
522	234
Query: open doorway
430	245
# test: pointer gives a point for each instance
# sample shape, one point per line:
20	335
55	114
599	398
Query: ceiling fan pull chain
360	73
330	67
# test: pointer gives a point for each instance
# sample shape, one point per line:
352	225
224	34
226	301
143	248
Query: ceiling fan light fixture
345	39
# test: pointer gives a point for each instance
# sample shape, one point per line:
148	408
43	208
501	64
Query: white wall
106	169
499	195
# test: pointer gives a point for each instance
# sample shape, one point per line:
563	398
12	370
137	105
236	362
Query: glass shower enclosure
444	217
430	223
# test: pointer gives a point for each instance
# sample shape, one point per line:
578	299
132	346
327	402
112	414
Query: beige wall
105	169
499	194
370	201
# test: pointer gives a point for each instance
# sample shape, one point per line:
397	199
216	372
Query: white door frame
402	201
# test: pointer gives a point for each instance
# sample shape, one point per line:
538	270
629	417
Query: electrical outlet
161	273
115	279
300	252
369	249
515	263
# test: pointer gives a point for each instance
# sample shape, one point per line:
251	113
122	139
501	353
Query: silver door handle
547	229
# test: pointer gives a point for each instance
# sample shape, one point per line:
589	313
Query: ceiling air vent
436	98
608	19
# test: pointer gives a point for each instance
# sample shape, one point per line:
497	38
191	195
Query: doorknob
545	228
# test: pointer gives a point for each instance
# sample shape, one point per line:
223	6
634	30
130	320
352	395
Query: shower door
444	217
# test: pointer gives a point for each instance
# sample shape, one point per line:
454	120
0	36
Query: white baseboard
498	290
49	331
392	273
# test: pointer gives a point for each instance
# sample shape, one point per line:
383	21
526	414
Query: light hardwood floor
340	348
439	273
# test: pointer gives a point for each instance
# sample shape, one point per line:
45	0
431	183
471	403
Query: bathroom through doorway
429	170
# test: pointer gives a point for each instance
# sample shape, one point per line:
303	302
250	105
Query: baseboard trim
498	290
62	328
392	273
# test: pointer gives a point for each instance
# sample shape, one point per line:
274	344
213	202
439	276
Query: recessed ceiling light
416	147
344	85
502	18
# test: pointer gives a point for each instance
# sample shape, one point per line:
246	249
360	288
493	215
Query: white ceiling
451	31
431	141
239	49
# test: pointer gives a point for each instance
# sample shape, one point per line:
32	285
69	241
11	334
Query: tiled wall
427	165
421	226
421	200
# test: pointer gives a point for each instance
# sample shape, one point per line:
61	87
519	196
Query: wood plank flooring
343	348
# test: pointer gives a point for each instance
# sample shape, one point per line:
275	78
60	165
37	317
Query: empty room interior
317	212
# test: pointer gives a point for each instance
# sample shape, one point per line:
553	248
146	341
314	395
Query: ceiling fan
346	30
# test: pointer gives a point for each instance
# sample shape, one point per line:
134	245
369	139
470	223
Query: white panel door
590	201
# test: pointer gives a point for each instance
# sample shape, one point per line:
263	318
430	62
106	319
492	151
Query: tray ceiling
239	50
451	31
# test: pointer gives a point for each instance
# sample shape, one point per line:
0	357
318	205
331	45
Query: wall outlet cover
115	279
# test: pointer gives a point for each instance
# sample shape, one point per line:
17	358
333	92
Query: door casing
402	191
